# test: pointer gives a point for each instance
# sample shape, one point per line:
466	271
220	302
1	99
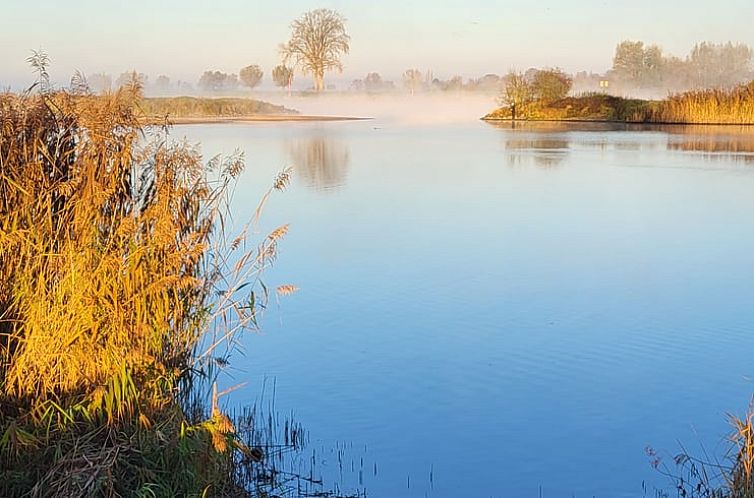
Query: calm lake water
485	311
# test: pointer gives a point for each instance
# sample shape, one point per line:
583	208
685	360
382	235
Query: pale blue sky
181	38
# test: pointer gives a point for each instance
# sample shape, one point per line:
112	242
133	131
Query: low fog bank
404	109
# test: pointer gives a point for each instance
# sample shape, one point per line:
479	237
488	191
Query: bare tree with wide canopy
318	40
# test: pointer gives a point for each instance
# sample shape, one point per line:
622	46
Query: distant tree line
211	81
319	40
317	43
416	81
708	65
250	77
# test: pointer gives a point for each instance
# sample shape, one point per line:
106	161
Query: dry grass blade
111	257
286	290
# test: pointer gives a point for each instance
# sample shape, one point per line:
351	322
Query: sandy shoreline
254	118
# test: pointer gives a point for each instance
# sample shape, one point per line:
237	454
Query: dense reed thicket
194	107
117	303
711	106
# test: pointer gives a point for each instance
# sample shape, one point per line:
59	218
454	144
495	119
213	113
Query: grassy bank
591	107
735	106
196	107
117	305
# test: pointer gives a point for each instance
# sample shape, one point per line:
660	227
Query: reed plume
116	291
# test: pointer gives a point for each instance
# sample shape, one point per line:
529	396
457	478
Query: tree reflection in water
546	151
547	143
321	161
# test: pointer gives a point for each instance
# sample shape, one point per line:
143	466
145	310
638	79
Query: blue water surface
489	311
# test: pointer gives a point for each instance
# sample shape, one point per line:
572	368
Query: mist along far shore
424	108
712	107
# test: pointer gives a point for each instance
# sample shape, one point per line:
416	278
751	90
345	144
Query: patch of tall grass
118	302
710	106
193	107
586	107
731	477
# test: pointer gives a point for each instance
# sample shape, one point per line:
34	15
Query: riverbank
207	110
708	107
253	118
195	107
591	107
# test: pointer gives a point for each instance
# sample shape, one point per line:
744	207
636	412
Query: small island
545	97
214	110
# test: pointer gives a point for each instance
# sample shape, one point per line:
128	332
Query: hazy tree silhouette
638	64
282	75
100	82
216	81
720	65
251	75
129	78
318	40
412	80
162	84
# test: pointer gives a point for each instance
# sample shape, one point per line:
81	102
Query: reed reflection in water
548	143
722	143
321	161
544	150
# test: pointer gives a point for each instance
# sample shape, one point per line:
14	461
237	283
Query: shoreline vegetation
186	107
108	275
121	299
257	118
698	107
209	110
122	295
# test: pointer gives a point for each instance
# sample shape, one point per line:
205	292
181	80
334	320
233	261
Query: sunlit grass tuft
116	295
707	477
711	106
194	107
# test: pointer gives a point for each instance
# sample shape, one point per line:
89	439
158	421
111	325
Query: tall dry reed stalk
740	479
115	300
695	477
709	106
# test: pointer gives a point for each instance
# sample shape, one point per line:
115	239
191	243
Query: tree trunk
319	81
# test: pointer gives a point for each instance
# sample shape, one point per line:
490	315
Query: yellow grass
109	284
741	477
101	268
711	106
196	107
